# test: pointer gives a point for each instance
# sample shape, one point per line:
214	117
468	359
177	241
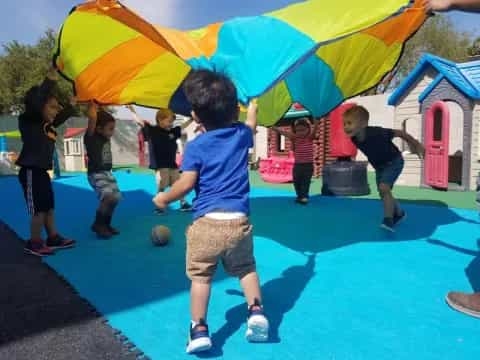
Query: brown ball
160	235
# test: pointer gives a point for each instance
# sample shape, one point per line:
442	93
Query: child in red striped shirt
302	136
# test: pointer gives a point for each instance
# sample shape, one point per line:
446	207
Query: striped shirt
303	149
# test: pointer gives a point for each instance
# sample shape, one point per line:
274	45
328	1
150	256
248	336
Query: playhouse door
437	126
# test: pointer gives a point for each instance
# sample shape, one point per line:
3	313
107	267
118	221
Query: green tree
474	50
437	36
23	66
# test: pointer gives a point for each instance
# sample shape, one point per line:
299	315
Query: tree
23	66
438	36
474	50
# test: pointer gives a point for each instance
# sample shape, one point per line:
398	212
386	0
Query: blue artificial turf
334	285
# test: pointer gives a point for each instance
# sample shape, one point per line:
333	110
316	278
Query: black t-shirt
99	152
162	146
39	137
378	146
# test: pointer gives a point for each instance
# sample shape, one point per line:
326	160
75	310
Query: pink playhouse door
437	127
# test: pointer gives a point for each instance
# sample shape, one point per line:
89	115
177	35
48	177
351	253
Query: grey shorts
389	173
104	184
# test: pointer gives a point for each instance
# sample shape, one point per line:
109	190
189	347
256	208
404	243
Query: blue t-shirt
220	158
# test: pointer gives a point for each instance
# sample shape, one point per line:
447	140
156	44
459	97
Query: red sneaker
37	248
59	242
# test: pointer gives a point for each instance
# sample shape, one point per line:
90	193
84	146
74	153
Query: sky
26	20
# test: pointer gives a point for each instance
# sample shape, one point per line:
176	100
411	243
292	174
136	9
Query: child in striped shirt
302	136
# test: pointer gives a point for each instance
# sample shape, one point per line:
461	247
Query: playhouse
439	104
74	149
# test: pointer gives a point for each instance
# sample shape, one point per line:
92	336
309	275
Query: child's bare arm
316	123
92	118
136	118
415	146
287	134
186	123
251	120
179	189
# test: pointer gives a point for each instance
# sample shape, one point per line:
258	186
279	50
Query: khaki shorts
166	177
104	184
210	240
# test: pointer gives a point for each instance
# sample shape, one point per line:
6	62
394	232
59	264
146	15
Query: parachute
316	52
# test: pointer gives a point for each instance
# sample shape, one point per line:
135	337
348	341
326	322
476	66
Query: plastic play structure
277	169
345	176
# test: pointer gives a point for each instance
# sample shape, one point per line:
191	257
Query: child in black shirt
101	126
162	140
376	143
43	114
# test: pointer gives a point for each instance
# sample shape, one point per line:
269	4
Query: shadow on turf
277	303
323	225
473	269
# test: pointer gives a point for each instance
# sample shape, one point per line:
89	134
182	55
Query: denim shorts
389	173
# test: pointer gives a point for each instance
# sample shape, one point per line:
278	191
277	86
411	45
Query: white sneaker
257	325
199	339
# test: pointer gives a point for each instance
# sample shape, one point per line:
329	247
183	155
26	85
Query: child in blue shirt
215	164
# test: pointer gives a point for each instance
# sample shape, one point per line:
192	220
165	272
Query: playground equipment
277	169
345	176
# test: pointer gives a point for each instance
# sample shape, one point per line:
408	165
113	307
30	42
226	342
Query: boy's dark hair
35	99
104	118
305	121
213	97
357	112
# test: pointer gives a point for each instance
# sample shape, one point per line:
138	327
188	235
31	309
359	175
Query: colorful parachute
315	52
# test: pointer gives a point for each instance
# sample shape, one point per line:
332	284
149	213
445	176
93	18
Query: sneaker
185	207
388	224
397	219
102	231
257	324
159	211
466	303
37	248
59	242
198	339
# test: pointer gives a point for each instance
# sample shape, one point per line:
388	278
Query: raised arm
415	146
287	134
186	124
66	113
251	120
446	5
136	118
92	118
314	133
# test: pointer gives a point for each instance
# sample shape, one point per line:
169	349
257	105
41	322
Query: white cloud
157	12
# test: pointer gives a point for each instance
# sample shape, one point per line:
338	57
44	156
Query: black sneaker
59	242
257	324
185	207
199	338
37	248
397	219
159	211
388	224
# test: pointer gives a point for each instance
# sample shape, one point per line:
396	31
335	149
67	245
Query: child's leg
36	225
297	180
199	298
389	202
251	288
158	180
307	179
50	223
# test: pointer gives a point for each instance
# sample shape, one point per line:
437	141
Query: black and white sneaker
199	338
257	324
158	211
388	225
397	219
185	206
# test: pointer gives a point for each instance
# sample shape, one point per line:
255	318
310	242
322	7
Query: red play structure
332	144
